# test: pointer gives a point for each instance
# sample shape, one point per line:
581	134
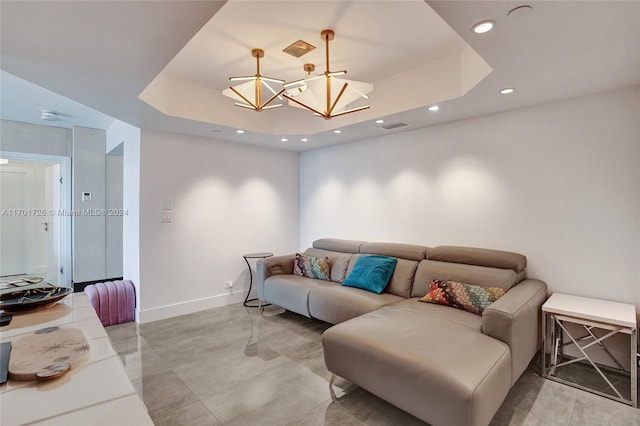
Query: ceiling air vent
298	48
394	125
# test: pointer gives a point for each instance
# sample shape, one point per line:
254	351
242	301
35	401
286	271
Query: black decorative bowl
24	300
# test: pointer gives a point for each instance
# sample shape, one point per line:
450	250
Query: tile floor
233	366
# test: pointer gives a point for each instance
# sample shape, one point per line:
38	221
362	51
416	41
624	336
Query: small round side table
262	255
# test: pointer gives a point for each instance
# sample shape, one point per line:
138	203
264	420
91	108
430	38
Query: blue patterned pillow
371	273
312	267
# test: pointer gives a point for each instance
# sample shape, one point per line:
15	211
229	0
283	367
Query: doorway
35	217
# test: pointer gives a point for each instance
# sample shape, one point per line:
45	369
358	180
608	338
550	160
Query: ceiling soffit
408	69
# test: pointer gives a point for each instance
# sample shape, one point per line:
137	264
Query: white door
13	222
52	200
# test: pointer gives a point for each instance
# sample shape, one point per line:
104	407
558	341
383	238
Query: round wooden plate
48	353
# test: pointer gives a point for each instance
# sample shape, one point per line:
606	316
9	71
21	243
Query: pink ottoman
114	301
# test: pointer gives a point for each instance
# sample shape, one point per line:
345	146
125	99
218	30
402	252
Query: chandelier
253	88
326	95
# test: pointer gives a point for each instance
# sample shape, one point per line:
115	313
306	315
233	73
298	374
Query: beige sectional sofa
444	365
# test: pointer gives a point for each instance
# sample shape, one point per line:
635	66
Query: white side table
590	314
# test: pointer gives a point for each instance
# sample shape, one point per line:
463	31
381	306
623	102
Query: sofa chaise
444	365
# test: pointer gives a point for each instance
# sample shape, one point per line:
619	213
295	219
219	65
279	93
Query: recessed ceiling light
4	161
507	91
337	131
240	131
284	140
304	140
433	108
379	121
483	27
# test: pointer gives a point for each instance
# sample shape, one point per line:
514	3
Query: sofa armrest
515	319
275	265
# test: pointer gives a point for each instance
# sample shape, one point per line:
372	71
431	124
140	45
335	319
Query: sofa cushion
429	270
440	371
402	278
339	262
334	304
371	273
335	244
312	267
290	291
401	251
471	298
479	256
432	310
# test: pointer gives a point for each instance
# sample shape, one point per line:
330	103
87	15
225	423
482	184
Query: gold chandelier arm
326	49
338	98
327	82
257	55
272	98
293	83
351	110
241	78
243	98
257	89
271	79
304	105
337	73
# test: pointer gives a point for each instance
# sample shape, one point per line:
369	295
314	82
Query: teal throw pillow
371	273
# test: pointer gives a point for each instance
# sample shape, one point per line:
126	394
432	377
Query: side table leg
554	349
260	305
634	368
544	344
250	281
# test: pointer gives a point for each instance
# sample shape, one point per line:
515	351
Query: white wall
89	165
34	139
38	238
115	213
226	200
557	182
122	133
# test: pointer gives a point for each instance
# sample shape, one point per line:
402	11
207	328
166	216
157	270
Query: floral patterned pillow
312	267
472	298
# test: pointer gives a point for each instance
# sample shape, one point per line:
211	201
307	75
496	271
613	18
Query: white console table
591	314
97	392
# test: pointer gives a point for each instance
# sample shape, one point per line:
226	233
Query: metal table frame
582	343
246	259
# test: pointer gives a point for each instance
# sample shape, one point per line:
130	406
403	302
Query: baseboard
188	307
